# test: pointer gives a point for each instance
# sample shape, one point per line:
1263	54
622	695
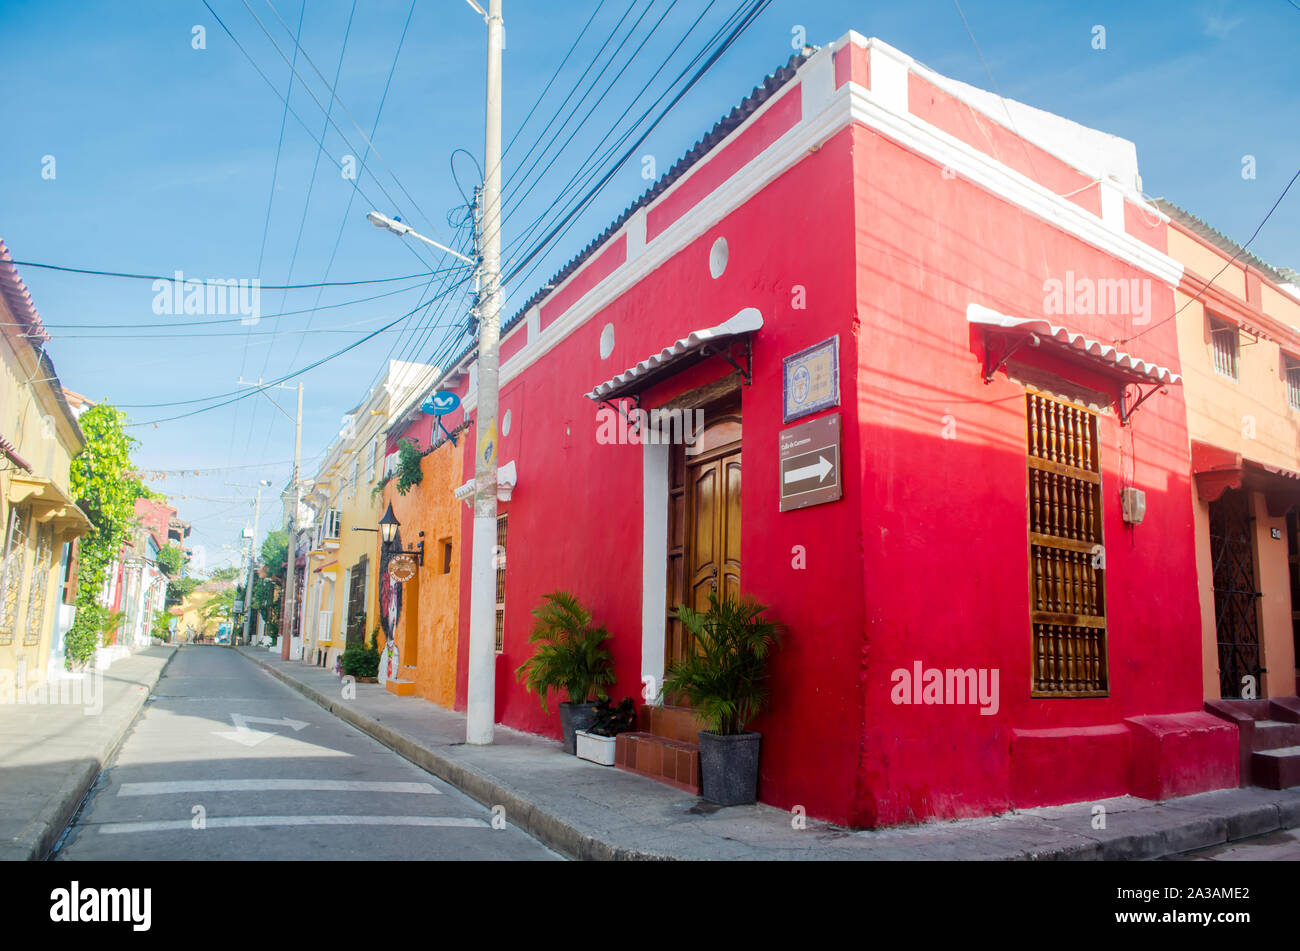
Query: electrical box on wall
1133	505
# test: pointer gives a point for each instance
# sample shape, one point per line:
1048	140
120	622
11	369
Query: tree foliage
178	589
171	560
161	629
268	588
221	606
105	486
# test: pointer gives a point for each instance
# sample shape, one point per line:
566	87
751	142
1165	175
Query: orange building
1239	345
421	614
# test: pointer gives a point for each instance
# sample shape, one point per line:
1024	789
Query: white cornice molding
996	178
774	161
848	104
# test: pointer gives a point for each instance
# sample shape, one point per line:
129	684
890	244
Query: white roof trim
506	481
746	321
1095	349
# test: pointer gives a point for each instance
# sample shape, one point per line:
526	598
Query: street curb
35	844
524	814
1195	832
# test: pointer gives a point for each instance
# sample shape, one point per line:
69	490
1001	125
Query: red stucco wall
925	557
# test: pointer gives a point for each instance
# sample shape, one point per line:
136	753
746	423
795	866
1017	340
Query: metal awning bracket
1126	410
747	371
636	403
990	369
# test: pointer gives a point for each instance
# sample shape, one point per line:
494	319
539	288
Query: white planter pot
104	656
597	749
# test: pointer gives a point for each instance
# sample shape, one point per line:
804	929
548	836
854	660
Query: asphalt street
225	762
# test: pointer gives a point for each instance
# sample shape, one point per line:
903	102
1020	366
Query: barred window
1223	344
14	555
39	586
499	562
1067	558
1293	382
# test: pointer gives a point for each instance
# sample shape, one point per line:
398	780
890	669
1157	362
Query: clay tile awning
1069	344
1218	470
676	357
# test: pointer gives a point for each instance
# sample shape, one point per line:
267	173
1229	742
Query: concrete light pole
481	701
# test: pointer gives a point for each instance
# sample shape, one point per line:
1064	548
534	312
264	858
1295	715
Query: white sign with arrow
243	735
810	463
818	470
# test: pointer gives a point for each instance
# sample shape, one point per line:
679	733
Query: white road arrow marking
243	735
821	469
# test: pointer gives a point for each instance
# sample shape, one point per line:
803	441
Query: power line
329	117
356	185
566	139
228	320
755	10
218	282
302	222
1241	250
242	394
338	238
583	175
580	178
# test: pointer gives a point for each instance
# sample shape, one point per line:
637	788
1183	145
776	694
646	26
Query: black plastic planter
729	767
575	717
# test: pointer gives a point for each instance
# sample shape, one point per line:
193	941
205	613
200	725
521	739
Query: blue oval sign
440	404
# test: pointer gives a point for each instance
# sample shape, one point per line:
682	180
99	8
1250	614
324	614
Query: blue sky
164	158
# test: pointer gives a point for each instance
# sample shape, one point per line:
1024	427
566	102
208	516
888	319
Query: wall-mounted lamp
388	526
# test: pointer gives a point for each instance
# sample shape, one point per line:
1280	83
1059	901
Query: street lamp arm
401	229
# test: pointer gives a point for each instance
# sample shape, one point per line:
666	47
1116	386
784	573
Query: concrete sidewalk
587	811
52	750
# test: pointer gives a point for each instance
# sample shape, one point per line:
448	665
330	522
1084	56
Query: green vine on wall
103	482
408	466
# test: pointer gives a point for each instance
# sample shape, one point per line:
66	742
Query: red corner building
940	432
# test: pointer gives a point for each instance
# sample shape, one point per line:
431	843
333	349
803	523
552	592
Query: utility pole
286	613
481	701
252	562
291	555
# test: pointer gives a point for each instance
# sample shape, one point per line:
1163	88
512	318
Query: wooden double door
703	521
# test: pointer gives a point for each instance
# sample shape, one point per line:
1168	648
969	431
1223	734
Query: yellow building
342	594
1239	345
39	436
191	625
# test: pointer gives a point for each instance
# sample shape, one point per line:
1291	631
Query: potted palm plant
725	681
597	742
571	657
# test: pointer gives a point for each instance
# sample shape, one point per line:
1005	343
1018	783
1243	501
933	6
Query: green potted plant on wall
571	656
725	681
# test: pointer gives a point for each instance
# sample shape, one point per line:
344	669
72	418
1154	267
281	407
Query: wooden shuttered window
1067	591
